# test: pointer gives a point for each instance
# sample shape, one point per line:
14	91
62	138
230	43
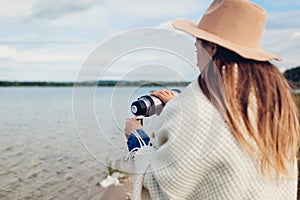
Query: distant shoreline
110	83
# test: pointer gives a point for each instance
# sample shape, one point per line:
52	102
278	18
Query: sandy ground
119	192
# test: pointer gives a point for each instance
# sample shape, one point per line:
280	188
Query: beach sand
119	192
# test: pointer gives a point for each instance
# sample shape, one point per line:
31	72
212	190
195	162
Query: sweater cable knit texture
195	156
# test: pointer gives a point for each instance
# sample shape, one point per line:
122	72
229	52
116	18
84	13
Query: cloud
285	43
50	9
167	25
40	38
283	20
51	55
6	52
150	9
117	12
149	46
15	9
151	64
295	36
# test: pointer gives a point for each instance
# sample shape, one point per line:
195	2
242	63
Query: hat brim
190	27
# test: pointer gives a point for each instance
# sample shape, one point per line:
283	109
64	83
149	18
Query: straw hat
237	25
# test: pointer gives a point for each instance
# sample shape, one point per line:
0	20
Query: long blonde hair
258	106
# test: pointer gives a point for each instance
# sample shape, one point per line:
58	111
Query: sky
51	40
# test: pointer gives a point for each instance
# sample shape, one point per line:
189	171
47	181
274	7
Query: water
296	91
46	153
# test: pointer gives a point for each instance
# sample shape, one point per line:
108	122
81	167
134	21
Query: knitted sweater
195	156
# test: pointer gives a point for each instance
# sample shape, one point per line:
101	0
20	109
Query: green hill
293	76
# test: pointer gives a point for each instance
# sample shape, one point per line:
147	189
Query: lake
54	146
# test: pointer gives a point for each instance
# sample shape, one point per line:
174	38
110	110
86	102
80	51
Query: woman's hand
164	95
131	125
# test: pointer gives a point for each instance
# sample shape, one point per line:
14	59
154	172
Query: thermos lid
138	108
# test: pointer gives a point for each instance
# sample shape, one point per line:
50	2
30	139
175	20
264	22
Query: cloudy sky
50	40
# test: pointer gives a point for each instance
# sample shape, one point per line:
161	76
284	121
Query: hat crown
238	21
237	25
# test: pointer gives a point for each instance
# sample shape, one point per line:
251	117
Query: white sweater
195	156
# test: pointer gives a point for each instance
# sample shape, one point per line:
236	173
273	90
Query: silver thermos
148	105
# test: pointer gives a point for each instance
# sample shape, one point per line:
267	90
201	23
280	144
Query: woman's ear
212	49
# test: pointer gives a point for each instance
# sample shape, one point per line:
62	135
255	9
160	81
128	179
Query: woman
250	156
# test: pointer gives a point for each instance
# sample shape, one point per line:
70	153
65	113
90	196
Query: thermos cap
134	109
139	108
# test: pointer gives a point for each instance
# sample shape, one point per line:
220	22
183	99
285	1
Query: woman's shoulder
192	110
191	97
